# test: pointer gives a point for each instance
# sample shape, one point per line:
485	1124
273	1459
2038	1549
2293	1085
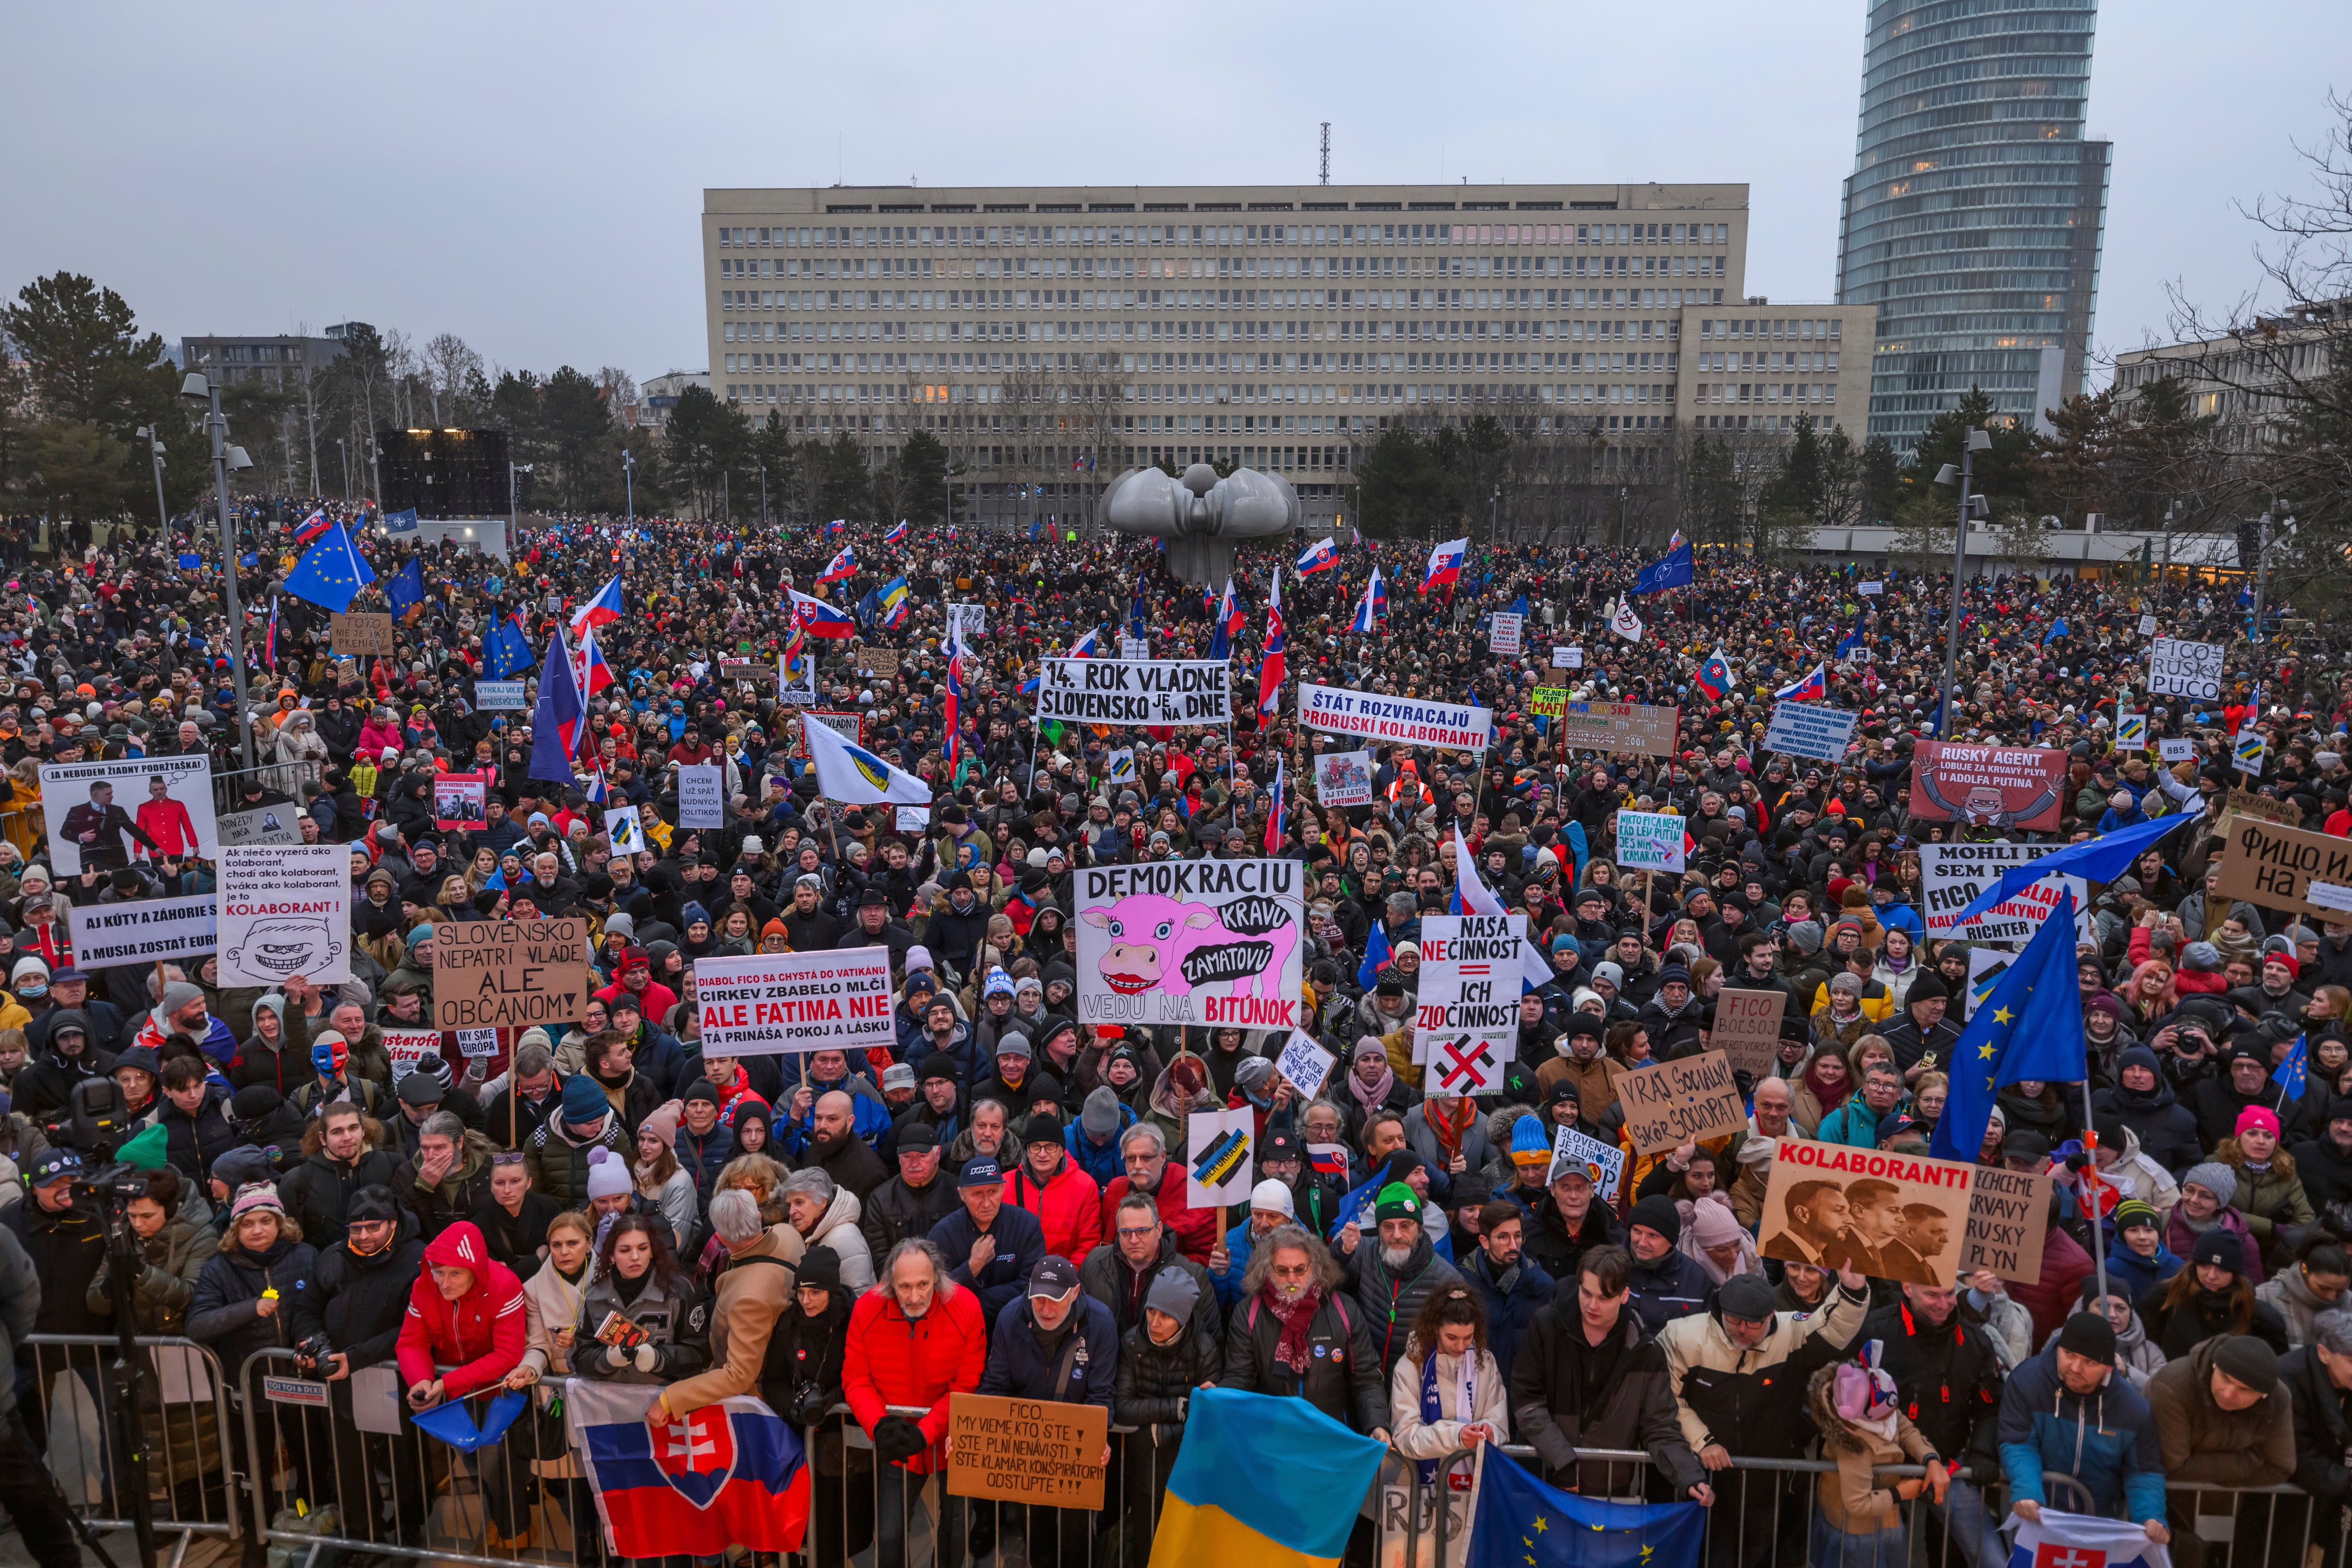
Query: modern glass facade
1974	216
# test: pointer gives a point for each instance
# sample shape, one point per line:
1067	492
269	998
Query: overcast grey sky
529	176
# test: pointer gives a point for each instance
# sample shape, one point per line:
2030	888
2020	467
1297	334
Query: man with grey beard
1392	1280
1294	1335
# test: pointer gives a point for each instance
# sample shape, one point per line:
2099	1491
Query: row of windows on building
969	365
1359	266
1449	331
737	299
1389	394
866	235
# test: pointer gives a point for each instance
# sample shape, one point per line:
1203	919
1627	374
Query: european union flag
2057	629
1377	957
2296	1071
1519	1520
330	572
191	561
509	651
1673	571
2030	1027
408	590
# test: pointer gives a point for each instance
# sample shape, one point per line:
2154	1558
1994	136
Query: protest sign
2147	625
701	796
882	662
1870	590
477	1042
1503	631
2247	751
1986	966
501	696
1220	1156
458	799
625	829
1118	766
131	807
1952	874
1618	727
1548	701
2179	749
1033	1451
1467	1025
970	619
2278	811
406	1047
2009	1221
1650	840
1303	1065
1191	942
1604	1163
361	633
913	818
2287	869
2131	731
262	824
1116	691
1988	786
1748	1027
1889	1217
1134	648
850	727
1812	729
108	936
2177	668
769	1003
1409	720
1568	656
1666	1103
285	909
1344	778
508	974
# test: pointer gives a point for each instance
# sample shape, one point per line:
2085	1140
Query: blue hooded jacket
2140	1275
2107	1440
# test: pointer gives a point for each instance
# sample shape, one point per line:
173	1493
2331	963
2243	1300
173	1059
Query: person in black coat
2324	1160
1160	1363
1567	1219
2244	1080
1332	1364
1512	1287
1015	1240
2316	1375
357	1298
194	1116
1667	1282
800	1381
2150	1107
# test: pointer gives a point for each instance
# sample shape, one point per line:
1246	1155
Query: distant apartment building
279	360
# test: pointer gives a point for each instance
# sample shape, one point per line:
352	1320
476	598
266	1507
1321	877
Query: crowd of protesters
998	1204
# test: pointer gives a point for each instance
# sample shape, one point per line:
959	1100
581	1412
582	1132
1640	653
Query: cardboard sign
1650	840
1503	631
1748	1027
501	696
2275	811
1889	1217
360	634
1619	727
1680	1101
878	661
458	799
508	974
2009	1222
1988	786
1220	1156
406	1047
114	811
1604	1163
701	796
1344	778
1812	729
1303	1065
775	1003
1466	1019
1162	691
285	909
108	936
262	824
2179	668
1406	721
2287	869
1566	657
1191	942
1028	1450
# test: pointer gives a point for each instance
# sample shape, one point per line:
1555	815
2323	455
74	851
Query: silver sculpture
1201	516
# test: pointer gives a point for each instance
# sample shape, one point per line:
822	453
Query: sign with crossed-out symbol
1469	1065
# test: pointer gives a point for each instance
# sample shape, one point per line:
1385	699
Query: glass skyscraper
1974	213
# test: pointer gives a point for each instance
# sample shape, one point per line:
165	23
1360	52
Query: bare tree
449	365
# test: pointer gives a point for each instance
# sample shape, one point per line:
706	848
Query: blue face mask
33	992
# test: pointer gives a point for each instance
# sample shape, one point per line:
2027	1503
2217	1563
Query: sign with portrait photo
1344	778
132	808
1893	1217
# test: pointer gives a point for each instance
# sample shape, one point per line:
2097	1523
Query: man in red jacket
912	1342
1057	1189
1143	1149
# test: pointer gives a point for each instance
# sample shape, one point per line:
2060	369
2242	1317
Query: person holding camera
68	1247
33	1501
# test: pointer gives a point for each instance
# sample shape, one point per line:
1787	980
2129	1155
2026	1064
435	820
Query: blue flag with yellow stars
330	572
408	590
1520	1522
2029	1028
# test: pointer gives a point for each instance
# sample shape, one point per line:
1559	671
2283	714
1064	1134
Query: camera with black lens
312	1353
97	1125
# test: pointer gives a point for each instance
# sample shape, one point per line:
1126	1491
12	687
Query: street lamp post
344	452
629	477
155	457
224	458
514	513
764	495
1977	441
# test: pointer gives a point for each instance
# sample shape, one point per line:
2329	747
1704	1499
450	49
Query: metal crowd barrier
286	778
76	1416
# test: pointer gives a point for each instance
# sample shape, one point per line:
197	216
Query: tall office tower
1974	213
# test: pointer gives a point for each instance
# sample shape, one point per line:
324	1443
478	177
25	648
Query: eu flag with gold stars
1520	1522
330	572
2028	1029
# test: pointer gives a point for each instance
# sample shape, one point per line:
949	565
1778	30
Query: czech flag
1087	647
1811	688
1372	608
843	566
896	535
1278	827
728	1473
1270	661
312	527
605	607
1445	563
1320	557
1229	624
1714	677
817	618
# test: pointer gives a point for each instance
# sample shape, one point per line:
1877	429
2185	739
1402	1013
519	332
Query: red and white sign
781	1003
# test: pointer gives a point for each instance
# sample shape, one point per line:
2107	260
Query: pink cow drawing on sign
1158	943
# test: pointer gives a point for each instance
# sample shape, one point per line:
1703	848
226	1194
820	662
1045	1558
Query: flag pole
2090	1189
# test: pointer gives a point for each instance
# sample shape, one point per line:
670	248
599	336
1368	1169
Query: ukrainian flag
1227	1503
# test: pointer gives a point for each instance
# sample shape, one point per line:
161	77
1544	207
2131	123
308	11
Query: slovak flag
1714	677
590	672
2081	1540
1087	647
1229	624
605	607
312	527
1445	563
1270	661
842	566
1276	825
1372	608
1319	556
731	1472
835	527
817	618
1811	688
896	535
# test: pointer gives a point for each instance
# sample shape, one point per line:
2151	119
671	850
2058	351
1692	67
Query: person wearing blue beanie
584	1104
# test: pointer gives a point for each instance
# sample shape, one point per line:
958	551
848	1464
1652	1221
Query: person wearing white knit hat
1270	1206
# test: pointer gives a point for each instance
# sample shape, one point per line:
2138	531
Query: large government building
1060	330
